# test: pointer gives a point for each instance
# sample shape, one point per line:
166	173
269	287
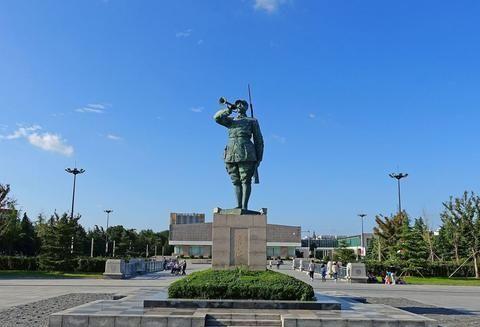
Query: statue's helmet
241	105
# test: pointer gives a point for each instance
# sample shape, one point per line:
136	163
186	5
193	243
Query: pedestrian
270	264
184	267
311	269
323	271
335	271
173	267
278	263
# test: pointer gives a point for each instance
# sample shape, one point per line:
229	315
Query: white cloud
21	132
96	108
280	139
312	115
197	109
50	142
114	137
184	34
46	141
269	6
200	42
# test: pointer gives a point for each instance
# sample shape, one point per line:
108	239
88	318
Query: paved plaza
464	298
20	291
438	302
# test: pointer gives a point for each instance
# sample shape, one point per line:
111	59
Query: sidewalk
455	297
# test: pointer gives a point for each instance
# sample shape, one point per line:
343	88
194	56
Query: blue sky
345	92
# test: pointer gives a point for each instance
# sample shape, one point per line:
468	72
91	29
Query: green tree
461	218
9	222
5	201
343	254
388	232
62	240
27	238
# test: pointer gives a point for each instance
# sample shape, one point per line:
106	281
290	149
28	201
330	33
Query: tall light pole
108	211
362	216
308	239
398	177
75	172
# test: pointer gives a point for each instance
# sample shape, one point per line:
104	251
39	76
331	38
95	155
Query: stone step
242	322
240	316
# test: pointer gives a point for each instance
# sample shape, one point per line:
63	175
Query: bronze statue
242	157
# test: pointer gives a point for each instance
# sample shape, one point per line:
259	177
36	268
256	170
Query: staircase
242	319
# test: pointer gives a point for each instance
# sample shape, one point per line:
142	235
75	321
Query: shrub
70	265
428	269
18	263
241	284
90	265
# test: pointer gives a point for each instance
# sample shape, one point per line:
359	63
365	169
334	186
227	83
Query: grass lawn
45	274
455	281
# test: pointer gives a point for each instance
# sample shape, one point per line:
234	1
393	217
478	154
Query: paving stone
385	323
309	323
152	321
359	323
126	321
177	321
75	321
101	321
55	321
412	323
334	323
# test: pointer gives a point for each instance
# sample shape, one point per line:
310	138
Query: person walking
311	269
184	267
335	271
323	271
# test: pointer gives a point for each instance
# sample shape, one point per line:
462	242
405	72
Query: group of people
388	278
177	267
278	262
332	269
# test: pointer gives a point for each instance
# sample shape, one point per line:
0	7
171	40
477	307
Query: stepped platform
131	311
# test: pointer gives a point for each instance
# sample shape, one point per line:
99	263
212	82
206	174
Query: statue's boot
247	189
239	195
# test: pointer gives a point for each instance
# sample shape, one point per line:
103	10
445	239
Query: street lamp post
75	172
308	239
362	216
398	177
108	211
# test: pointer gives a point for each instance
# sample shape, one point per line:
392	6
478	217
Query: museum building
191	236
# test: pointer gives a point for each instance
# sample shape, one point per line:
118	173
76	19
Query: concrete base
324	303
356	272
239	240
129	311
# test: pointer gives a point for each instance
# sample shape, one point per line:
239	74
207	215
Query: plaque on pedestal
239	240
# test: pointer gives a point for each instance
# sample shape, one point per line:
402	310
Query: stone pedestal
239	240
356	272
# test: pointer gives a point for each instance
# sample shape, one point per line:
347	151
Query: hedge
428	269
18	263
241	284
74	264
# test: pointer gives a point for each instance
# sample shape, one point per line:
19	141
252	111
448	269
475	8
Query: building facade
193	237
325	245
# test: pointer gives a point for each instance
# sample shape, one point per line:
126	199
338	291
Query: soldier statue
242	157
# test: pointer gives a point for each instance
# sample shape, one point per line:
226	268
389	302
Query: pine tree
343	254
27	239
